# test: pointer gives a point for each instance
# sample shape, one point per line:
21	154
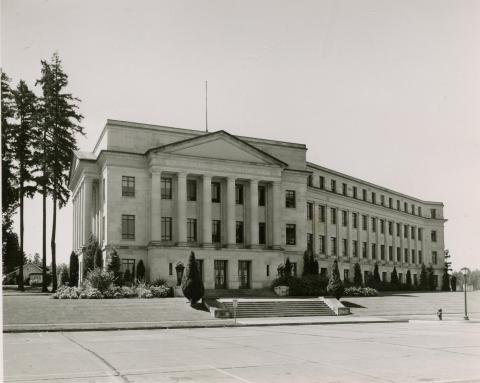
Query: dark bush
192	284
453	283
73	269
335	286
357	275
140	270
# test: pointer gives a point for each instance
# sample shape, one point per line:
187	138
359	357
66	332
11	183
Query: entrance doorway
220	267
244	274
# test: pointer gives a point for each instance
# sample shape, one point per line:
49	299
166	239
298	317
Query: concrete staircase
239	293
280	307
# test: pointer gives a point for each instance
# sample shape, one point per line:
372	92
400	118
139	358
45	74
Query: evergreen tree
335	286
73	277
140	270
89	254
114	265
60	119
288	268
315	268
24	140
357	275
376	276
423	278
306	264
408	281
445	280
430	279
453	283
394	278
98	258
11	252
192	284
127	276
64	276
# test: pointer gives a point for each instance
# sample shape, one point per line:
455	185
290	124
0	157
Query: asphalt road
447	351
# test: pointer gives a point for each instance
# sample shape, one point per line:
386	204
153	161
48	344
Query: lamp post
465	272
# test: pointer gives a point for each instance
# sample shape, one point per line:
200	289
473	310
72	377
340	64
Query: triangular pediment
221	146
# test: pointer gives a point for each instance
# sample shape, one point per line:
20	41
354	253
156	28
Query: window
310	180
413	256
344	247
333	246
323	272
405	207
374	251
333	216
239	232
345	274
412	232
239	194
390	253
170	268
191	230
398	229
333	186
321	242
322	213
390	202
434	257
355	248
398	204
291	234
355	220
344	218
433	213
128	186
128	264
128	226
382	200
413	209
384	276
309	210
420	257
405	255
390	227
268	270
382	252
215	191
374	224
399	254
321	180
364	249
166	188
420	234
382	226
191	190
364	222
420	211
261	233
261	195
405	231
374	197
216	230
344	188
366	275
434	236
355	192
309	241
290	198
364	194
166	228
103	189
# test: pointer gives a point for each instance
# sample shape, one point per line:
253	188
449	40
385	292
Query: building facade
243	205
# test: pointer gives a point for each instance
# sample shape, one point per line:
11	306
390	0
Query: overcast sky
386	91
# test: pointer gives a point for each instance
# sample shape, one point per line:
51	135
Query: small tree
98	258
394	278
453	283
64	276
89	255
423	278
288	268
357	275
335	286
114	265
408	281
315	267
376	276
430	278
140	270
192	284
73	277
127	276
445	280
307	269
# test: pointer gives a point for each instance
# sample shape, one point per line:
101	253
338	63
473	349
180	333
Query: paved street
426	351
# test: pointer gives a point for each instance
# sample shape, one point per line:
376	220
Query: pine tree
64	276
306	263
73	277
394	278
453	283
114	265
98	258
335	286
89	254
140	270
288	268
430	279
192	284
445	280
357	275
423	278
376	276
408	281
61	120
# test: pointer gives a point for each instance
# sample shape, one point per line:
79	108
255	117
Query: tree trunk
44	241
53	244
20	270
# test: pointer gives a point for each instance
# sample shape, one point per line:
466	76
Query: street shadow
199	306
352	305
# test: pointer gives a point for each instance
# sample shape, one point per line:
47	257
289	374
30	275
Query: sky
386	91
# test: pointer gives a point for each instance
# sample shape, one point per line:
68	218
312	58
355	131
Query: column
155	208
207	212
277	221
231	221
74	218
253	214
87	228
182	209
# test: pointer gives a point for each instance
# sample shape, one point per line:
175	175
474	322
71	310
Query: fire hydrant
439	314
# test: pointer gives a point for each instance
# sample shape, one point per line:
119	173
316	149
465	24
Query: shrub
89	254
160	291
90	293
423	278
408	281
114	266
357	275
287	270
127	277
64	277
140	270
192	284
128	292
66	292
376	276
453	283
335	286
100	279
159	282
143	291
394	279
360	292
445	280
98	258
73	269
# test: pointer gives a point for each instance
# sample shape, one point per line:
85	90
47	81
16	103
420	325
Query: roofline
315	166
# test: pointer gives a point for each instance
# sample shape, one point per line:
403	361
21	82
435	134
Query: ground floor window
290	234
128	268
384	276
191	230
244	274
220	270
346	273
239	232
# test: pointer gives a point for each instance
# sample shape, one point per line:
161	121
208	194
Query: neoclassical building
243	205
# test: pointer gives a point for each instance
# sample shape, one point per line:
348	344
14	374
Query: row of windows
415	210
408	231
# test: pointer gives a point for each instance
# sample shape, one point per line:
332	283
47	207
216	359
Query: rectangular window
166	228
344	218
399	254
170	268
239	232
128	186
405	255
364	222
382	252
346	274
355	220
344	247
309	241
412	232
434	257
128	226
291	237
420	256
413	209
390	227
166	188
374	224
128	264
321	180
216	192
382	200
191	190
398	204
413	256
309	210
322	213
344	188
364	194
321	242
382	226
261	195
420	234
420	211
268	270
390	202
374	251
374	197
405	207
333	184
405	231
333	216
239	194
216	231
261	233
364	249
191	230
355	248
333	246
390	253
434	236
290	198
398	229
310	180
355	192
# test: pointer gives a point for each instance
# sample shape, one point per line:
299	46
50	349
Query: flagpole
206	106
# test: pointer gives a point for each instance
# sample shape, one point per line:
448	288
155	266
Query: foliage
357	275
445	280
89	254
143	291
310	264
127	277
408	279
394	281
159	282
114	265
98	258
335	286
287	270
360	292
140	270
376	276
73	269
430	278
100	279
192	284
453	283
162	291
423	278
10	252
64	276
